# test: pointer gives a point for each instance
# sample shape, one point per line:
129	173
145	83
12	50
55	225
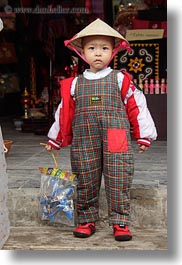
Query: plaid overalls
101	145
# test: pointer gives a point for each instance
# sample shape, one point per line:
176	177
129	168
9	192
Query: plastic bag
57	196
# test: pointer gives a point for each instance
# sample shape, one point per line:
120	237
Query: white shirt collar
100	74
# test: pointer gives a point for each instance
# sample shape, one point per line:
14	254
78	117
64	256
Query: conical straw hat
97	27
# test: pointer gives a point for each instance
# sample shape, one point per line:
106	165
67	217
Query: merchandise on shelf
152	85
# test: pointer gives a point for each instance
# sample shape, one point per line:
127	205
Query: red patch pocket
117	140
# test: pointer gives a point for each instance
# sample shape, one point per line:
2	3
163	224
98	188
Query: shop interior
33	58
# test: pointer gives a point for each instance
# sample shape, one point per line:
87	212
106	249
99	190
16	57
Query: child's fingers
47	146
143	148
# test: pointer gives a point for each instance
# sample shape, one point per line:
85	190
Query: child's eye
91	48
105	48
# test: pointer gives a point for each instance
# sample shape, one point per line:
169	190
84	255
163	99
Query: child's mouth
97	61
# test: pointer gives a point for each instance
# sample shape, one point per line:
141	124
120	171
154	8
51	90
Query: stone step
148	223
148	205
61	238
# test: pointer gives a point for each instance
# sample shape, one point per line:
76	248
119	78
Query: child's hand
48	147
143	148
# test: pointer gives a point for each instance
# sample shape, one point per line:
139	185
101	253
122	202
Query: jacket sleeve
55	129
143	126
60	133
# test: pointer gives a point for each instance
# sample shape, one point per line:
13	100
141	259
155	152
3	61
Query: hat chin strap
121	45
69	45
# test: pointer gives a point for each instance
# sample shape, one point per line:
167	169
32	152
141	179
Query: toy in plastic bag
57	194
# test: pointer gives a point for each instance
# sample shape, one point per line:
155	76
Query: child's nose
98	52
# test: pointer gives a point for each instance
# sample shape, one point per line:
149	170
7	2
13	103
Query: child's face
97	50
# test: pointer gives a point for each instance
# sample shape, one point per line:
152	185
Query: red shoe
121	233
84	230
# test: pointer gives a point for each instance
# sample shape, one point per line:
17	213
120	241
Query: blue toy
59	200
57	190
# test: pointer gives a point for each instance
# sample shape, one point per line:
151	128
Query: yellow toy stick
42	144
53	156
